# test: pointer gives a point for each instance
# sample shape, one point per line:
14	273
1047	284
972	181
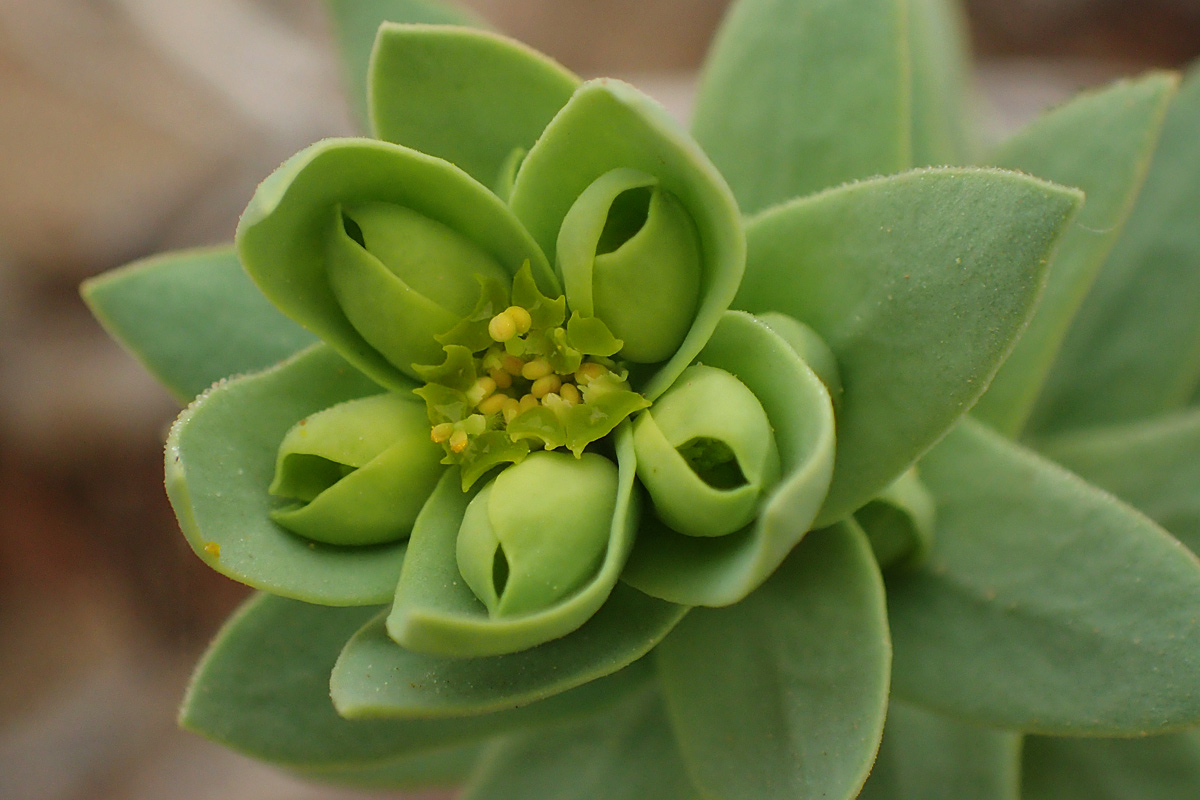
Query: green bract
498	402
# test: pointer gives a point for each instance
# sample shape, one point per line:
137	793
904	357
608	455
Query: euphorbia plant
632	464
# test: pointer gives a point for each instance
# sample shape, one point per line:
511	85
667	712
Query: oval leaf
609	125
356	23
263	689
1075	612
1102	143
624	753
468	96
1153	465
375	677
221	459
1134	347
920	284
192	318
281	237
720	570
800	96
783	695
933	758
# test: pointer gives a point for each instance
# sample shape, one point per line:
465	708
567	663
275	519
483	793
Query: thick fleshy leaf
1154	465
468	96
1077	613
783	695
626	752
356	23
920	284
899	522
221	459
375	677
719	570
1153	768
284	235
1134	348
192	318
435	610
800	96
934	758
442	768
1101	142
609	125
941	83
263	689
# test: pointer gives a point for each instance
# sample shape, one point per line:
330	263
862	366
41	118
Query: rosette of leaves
937	467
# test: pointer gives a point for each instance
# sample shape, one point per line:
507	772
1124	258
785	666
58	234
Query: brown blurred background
133	126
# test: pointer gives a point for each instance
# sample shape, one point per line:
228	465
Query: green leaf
933	758
192	318
800	96
783	695
263	689
221	459
436	612
920	284
288	238
1134	348
1154	768
446	767
609	125
720	570
941	83
468	96
1046	605
624	753
1101	142
375	677
356	23
1154	465
899	522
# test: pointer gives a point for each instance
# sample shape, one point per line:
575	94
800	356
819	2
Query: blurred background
132	126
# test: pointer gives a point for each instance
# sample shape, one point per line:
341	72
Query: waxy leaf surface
1134	348
356	24
220	460
263	689
1102	143
1047	605
625	752
470	97
375	677
444	767
920	284
930	757
1154	465
192	318
783	695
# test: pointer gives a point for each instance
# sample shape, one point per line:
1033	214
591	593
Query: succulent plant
574	455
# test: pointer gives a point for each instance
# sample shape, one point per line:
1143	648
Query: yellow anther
502	327
538	368
520	317
503	379
458	441
441	432
589	372
483	389
570	394
493	404
527	402
512	407
545	385
513	365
